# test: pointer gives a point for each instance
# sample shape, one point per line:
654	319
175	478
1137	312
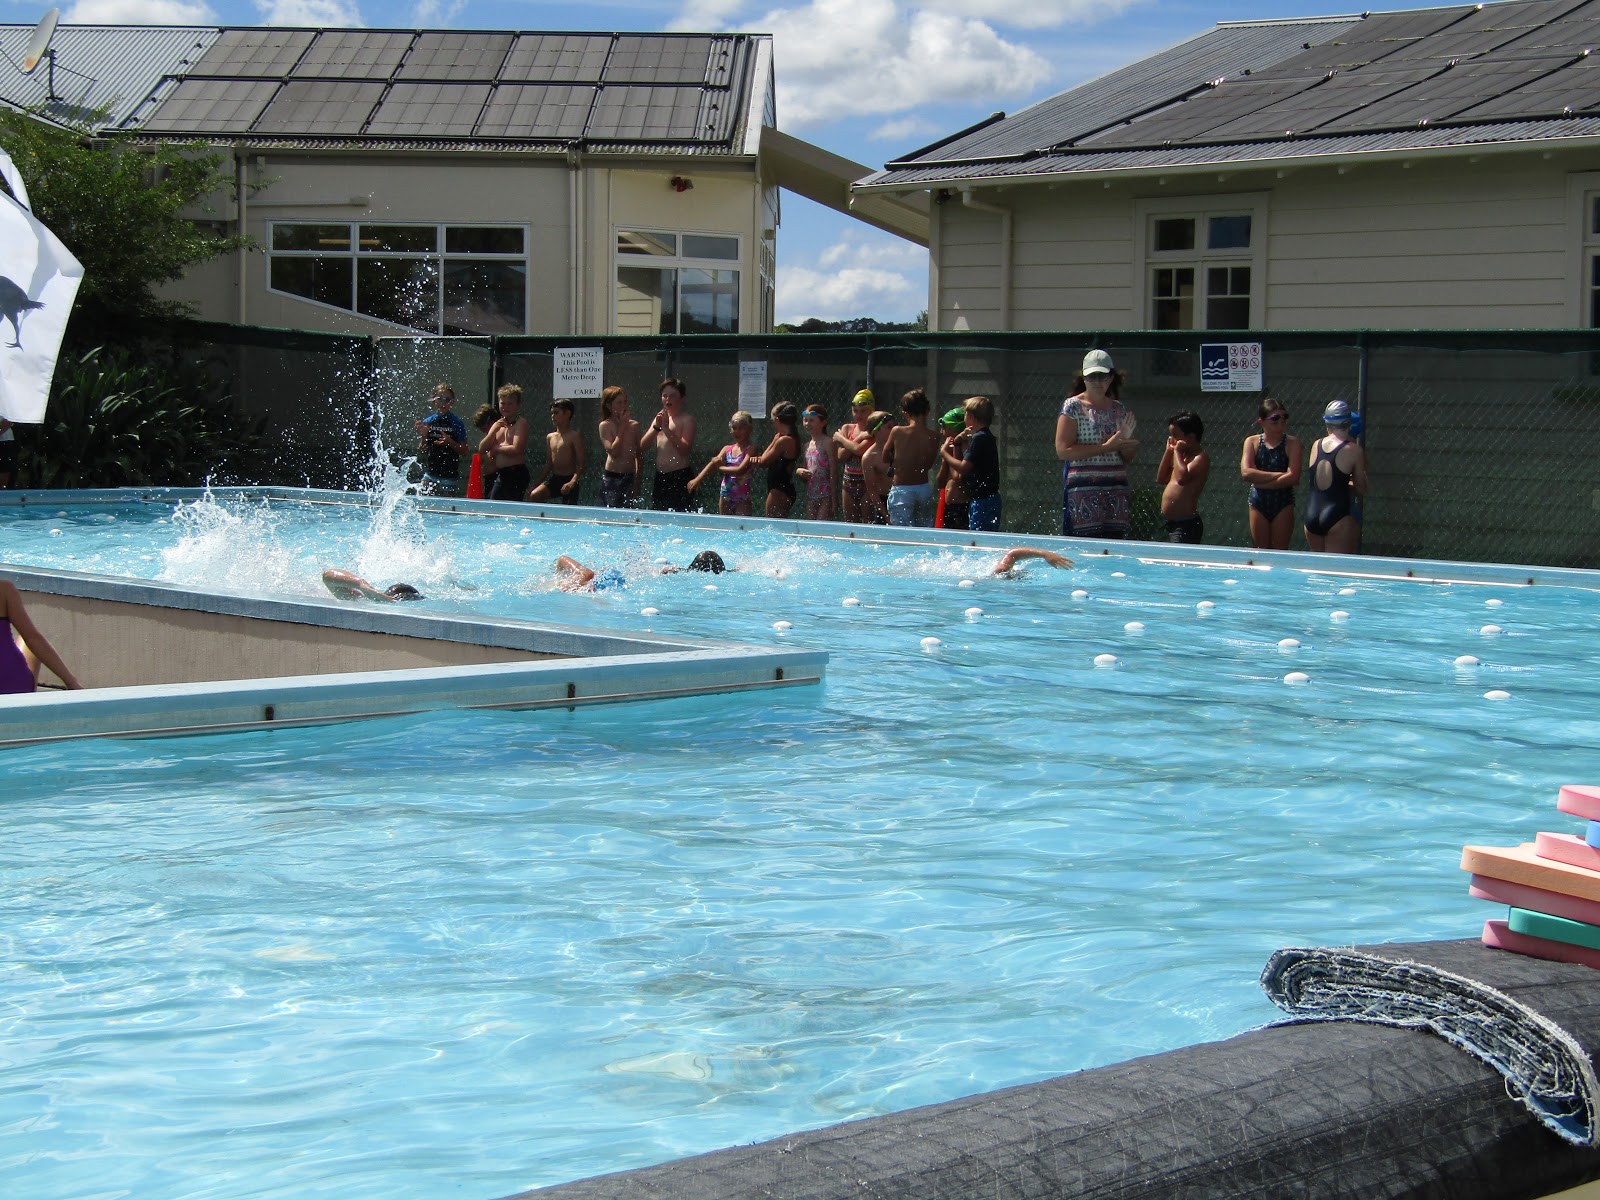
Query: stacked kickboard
1551	884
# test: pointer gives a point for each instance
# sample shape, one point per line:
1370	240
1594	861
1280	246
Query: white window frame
1583	205
1147	260
679	261
439	255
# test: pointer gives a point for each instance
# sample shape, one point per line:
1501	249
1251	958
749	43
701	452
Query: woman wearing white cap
1338	477
1094	438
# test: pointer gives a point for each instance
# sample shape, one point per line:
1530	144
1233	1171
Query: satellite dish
39	43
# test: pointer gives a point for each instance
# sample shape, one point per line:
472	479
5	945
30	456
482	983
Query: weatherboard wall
1450	244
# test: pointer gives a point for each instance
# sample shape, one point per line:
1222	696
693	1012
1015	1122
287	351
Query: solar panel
459	57
1439	97
320	107
254	53
646	114
213	106
429	109
1575	86
354	54
536	110
557	58
637	58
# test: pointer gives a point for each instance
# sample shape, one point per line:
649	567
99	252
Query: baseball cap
1337	413
954	419
1097	362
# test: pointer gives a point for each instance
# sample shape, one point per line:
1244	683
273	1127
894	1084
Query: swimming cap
1337	413
863	398
954	419
708	560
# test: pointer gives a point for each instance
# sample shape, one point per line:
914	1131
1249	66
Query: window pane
710	301
1172	295
646	300
699	245
311	237
1594	215
471	239
402	290
1229	233
399	239
325	280
1227	297
485	297
1175	233
629	242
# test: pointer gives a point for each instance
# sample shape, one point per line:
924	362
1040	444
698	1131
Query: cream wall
483	189
1495	243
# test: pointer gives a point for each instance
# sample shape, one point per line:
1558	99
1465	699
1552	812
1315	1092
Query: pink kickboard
1521	864
1566	848
1520	895
1581	800
1499	935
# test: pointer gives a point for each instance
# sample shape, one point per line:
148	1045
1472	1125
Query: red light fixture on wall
679	184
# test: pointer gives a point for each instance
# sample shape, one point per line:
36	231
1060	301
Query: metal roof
1463	75
377	88
97	67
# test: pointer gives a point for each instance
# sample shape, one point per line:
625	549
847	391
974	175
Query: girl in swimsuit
1338	478
733	462
818	471
778	458
1270	464
852	439
23	648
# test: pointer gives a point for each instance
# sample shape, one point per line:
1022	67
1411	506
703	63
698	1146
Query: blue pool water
464	954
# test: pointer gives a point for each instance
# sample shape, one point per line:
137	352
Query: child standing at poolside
852	441
875	472
619	434
1270	464
1183	472
779	457
734	463
818	471
953	498
563	465
977	464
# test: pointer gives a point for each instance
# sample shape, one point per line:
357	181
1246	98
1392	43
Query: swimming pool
469	953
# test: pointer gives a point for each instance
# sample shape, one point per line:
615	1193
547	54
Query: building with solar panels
1437	168
465	182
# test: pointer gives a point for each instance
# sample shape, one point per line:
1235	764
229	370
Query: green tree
121	208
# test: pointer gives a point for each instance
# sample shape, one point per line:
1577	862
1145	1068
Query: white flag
38	280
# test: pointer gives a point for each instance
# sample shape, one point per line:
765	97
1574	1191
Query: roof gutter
1235	165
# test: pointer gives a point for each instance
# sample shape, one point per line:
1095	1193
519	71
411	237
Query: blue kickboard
1592	835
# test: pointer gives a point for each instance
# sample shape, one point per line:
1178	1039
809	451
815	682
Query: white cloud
1034	14
838	58
140	12
907	130
436	14
883	250
319	13
852	292
705	16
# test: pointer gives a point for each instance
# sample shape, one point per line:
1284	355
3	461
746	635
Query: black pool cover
1356	1097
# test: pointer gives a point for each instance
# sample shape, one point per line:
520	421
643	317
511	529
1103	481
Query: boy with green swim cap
953	498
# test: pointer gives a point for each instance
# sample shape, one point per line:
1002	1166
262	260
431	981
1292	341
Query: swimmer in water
346	586
573	576
1009	560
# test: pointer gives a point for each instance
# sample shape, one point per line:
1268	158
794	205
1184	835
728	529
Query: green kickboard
1557	929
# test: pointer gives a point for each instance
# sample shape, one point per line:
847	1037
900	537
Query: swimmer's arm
577	575
610	441
1196	471
514	442
1291	477
957	462
1358	474
704	471
1254	475
1017	554
32	638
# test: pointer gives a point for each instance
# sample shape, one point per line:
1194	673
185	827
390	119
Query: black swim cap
402	591
708	560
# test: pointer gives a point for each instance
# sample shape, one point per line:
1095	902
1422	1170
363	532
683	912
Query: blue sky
869	79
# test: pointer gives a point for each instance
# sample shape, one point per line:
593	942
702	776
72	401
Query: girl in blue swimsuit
1270	464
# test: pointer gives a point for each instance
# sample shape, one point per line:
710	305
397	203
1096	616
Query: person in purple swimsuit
19	664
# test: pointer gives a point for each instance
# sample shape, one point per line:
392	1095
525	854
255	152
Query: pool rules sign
1230	366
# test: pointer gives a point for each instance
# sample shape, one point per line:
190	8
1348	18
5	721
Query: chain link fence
1476	440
